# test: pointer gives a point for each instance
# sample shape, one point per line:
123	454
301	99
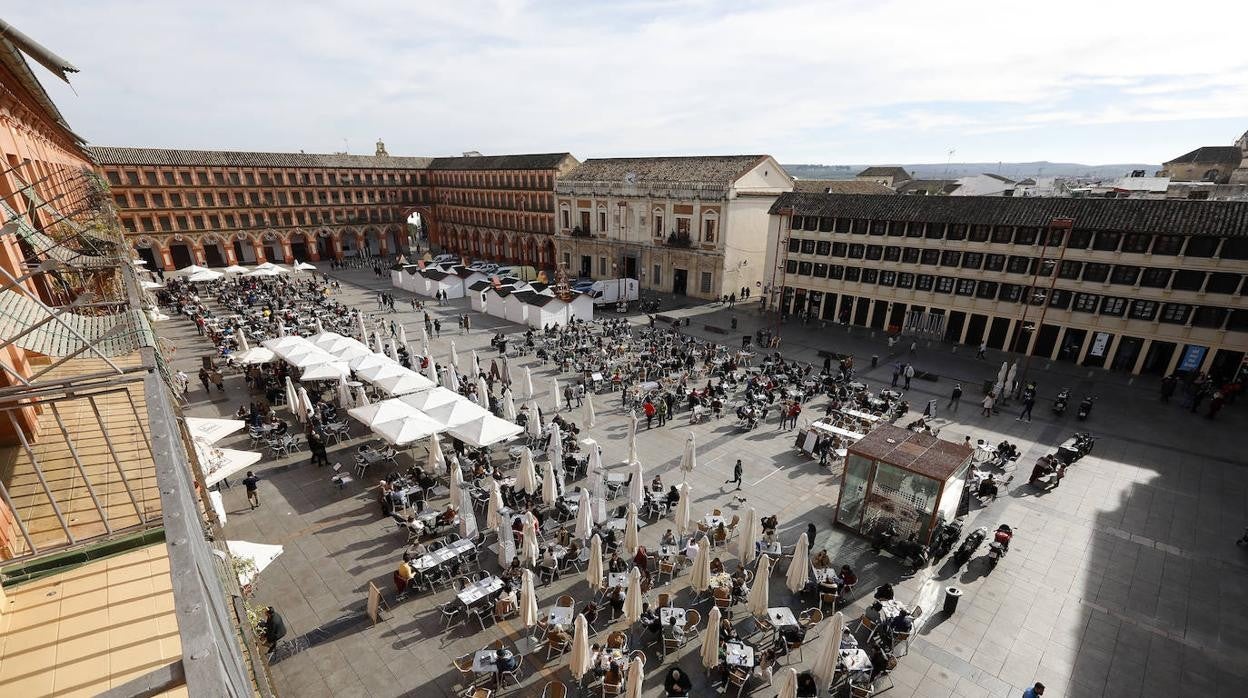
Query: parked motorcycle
1000	544
910	552
944	538
970	545
1059	403
1085	408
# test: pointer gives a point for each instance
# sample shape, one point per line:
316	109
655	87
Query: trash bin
875	360
952	594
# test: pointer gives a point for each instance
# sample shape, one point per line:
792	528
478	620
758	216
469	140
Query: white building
694	226
985	185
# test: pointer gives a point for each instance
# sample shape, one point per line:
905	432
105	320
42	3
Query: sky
831	81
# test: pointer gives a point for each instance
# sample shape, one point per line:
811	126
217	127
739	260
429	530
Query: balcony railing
678	240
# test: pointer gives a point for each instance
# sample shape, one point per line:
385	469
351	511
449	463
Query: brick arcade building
217	208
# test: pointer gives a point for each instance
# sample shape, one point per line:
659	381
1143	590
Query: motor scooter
1059	403
970	545
1000	545
1085	408
910	552
942	542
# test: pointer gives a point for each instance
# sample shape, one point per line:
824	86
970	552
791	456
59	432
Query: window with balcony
805	268
1221	282
120	200
658	224
972	260
956	231
844	225
879	227
808	247
896	229
853	273
910	255
810	223
905	280
1209	316
1124	274
1010	293
708	228
944	284
1112	306
565	217
1155	278
870	276
856	251
113	177
1142	310
914	229
1187	280
151	179
950	258
825	224
1201	246
860	226
1169	245
820	271
1175	313
840	249
994	262
602	219
790	267
795	245
836	271
980	233
888	278
1002	234
1085	302
934	231
1026	236
965	287
1095	272
1018	264
132	178
931	256
1136	242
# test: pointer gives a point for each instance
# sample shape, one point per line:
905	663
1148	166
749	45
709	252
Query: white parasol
689	460
526	478
483	393
506	544
829	654
509	405
555	398
593	573
590	418
700	577
636	486
710	640
549	495
528	383
745	540
528	601
799	566
630	530
682	510
584	521
756	602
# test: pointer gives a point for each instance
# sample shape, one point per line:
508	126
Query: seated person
656	485
902	623
727	632
676	684
739	588
691	549
884	592
674	631
563	512
447	517
414	525
872	612
590	611
717	566
848	578
616	600
505	661
558	635
650	619
822	561
514	570
879	659
642	558
807	687
673	496
562	537
668	538
616	563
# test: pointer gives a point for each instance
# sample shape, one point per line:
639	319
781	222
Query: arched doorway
180	252
214	253
325	244
143	248
299	246
272	247
244	251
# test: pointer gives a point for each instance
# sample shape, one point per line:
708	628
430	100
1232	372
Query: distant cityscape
1014	170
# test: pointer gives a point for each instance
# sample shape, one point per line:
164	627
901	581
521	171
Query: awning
220	463
117	334
486	431
403	431
260	554
332	370
212	430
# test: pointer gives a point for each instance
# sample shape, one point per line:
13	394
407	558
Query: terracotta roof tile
106	155
538	161
840	186
1162	216
1210	153
717	169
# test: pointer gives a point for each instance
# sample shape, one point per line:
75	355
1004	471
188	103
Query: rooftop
1227	154
919	453
840	186
538	161
1164	216
92	628
107	155
706	169
893	171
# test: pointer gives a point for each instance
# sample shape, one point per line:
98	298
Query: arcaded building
217	208
1140	286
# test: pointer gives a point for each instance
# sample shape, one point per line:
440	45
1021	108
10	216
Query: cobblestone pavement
1125	581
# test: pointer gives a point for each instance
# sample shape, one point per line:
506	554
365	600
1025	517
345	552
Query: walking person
810	536
467	323
1029	401
914	349
661	411
983	350
203	378
896	374
955	399
736	474
989	400
253	495
909	373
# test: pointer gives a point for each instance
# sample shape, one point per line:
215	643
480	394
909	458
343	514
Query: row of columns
196	246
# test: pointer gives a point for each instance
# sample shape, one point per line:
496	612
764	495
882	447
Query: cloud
841	81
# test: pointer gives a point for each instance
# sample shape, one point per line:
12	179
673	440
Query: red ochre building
217	208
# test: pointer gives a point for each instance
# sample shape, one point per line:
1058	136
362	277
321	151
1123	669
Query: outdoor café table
837	431
739	654
441	555
854	661
858	414
618	477
617	579
560	615
667	613
483	661
720	580
712	521
479	590
669	550
890	609
826	575
782	617
774	549
618	524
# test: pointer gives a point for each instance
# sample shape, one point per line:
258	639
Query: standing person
203	378
955	399
661	412
736	474
983	350
437	329
909	374
316	444
896	374
1029	401
648	408
253	495
274	628
989	400
1168	385
914	349
1035	691
810	537
467	323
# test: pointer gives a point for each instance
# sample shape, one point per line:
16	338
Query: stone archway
216	253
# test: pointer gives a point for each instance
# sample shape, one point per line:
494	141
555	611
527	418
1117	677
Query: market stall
903	478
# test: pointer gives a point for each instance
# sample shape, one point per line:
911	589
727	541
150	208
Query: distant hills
1013	170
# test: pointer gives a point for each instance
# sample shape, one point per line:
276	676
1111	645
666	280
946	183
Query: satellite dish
630	177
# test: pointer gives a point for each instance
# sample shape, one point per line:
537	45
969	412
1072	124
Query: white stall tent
515	309
476	295
540	311
429	399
